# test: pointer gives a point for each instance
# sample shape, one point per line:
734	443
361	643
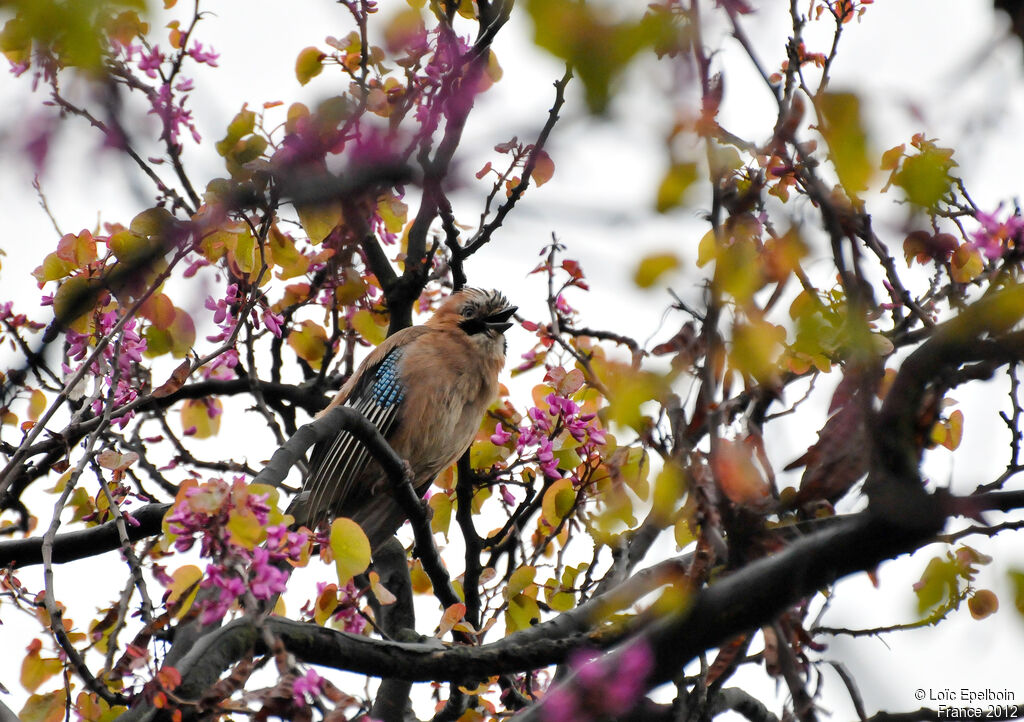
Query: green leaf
847	141
925	177
309	64
521	579
1017	579
938	584
597	48
241	125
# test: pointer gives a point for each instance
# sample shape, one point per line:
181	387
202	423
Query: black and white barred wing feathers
337	465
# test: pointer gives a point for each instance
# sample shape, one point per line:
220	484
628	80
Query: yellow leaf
53	268
628	390
393	211
296	113
351	549
36	405
558	501
309	341
44	707
739	268
674	183
420	581
370	326
669	488
522	613
36	669
707	249
441	505
756	348
326	603
653	267
949	432
201	417
184	586
966	264
683	533
319	220
351	289
244	528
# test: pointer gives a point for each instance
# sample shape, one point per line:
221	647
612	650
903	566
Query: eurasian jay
426	388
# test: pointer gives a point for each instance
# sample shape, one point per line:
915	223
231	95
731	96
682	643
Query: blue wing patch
387	389
336	465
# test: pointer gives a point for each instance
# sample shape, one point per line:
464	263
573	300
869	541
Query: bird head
483	315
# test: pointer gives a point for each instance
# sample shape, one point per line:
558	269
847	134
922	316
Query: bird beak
500	321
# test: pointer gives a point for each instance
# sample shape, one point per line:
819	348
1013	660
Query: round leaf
351	549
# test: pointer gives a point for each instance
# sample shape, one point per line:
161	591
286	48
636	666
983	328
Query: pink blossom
204	56
222	367
273	322
307	688
266	579
997	237
195	266
500	437
625	680
173	115
150	63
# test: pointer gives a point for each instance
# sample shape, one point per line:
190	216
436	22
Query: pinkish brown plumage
426	388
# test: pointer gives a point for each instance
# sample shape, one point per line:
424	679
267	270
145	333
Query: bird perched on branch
426	389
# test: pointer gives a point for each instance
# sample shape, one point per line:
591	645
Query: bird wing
336	464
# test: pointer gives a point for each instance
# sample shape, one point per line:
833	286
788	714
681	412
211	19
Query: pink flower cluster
172	112
121	356
437	91
164	102
996	238
535	439
604	687
205	514
307	688
225	312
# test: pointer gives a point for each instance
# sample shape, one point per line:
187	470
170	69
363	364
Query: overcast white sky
941	66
